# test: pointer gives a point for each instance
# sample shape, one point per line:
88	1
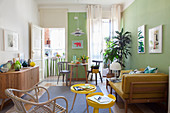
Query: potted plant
122	46
84	58
95	69
110	53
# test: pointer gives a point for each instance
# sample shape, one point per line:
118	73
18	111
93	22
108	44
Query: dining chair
49	106
63	69
90	71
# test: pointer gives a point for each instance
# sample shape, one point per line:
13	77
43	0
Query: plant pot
83	61
95	70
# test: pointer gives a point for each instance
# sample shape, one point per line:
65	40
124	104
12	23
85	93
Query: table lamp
115	66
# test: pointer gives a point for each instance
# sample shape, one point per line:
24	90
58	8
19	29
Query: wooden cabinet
24	79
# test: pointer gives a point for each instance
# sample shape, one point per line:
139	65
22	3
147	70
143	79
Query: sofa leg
116	96
110	90
126	106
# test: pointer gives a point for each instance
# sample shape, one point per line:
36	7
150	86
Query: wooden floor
117	108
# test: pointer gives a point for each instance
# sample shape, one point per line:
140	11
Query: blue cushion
150	70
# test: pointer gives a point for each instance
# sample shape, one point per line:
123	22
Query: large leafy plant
110	53
122	45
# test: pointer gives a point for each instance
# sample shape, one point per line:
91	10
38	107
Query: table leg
110	110
71	74
74	100
87	105
76	73
96	110
86	73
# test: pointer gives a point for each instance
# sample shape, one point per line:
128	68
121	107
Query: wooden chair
49	106
90	71
63	69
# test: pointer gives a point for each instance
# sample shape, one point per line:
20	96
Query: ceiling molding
81	6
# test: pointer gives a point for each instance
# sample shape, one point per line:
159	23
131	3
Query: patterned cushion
151	70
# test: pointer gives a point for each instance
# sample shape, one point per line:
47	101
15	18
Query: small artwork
155	40
77	44
10	41
141	39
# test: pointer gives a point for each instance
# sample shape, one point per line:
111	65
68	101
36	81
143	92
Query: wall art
155	40
141	39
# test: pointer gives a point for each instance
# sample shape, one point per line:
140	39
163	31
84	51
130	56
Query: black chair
90	71
63	69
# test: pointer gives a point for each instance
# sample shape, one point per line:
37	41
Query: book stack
100	99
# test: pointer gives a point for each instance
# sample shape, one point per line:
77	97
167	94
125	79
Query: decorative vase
24	64
29	61
83	61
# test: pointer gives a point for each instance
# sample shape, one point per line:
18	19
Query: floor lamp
115	66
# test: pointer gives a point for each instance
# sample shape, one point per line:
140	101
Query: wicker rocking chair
49	106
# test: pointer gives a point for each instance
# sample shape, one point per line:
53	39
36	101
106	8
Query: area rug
80	103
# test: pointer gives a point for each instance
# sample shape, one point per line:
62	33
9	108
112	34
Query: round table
82	92
98	106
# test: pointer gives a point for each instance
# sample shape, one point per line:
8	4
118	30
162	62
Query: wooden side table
109	75
81	92
98	106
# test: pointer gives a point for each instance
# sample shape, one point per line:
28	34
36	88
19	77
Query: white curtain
94	28
115	18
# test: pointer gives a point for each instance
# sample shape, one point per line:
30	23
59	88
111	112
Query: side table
98	106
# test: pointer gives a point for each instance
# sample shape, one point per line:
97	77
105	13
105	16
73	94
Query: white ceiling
42	3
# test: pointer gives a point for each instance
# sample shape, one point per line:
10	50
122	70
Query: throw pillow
136	72
150	70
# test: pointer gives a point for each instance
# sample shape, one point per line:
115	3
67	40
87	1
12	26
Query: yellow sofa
141	88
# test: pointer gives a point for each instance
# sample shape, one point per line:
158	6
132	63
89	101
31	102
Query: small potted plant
84	58
95	69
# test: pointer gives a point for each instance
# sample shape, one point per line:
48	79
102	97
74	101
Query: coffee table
82	92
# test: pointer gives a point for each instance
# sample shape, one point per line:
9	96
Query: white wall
15	15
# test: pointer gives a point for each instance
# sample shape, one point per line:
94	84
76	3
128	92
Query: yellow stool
81	92
98	106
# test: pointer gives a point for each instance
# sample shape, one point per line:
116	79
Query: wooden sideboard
24	79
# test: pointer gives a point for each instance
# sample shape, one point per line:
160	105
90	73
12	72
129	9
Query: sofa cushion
150	70
118	89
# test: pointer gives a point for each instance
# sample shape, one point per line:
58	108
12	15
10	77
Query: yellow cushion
148	77
118	88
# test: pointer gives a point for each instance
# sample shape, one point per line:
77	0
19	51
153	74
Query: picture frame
77	44
141	39
10	40
155	39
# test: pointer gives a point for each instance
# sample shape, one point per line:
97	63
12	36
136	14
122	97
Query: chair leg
91	76
63	77
66	79
96	79
101	77
58	78
88	75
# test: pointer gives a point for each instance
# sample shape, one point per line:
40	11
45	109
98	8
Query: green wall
72	26
151	13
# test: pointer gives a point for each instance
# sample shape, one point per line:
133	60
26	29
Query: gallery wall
15	15
150	13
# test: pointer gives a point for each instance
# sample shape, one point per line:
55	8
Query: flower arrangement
58	55
84	57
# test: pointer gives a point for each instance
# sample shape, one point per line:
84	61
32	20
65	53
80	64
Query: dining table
73	65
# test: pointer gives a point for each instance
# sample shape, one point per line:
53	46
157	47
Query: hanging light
78	32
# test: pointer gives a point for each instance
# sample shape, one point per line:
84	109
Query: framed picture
141	39
77	44
10	41
155	40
